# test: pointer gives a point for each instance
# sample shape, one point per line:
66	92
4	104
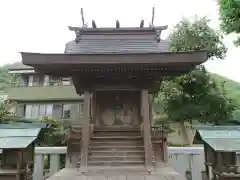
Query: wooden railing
159	133
179	159
231	171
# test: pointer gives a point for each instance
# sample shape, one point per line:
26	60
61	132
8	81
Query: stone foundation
118	173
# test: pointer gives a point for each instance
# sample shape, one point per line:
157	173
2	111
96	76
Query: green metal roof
18	135
221	138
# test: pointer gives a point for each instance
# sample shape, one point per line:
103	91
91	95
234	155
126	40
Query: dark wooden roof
115	45
117	40
116	50
115	60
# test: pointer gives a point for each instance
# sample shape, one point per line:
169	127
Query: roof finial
142	24
153	13
83	22
94	24
158	35
117	24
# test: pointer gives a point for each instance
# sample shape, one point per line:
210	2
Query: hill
232	87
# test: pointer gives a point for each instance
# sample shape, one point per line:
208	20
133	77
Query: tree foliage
54	135
197	35
5	105
5	79
196	95
229	11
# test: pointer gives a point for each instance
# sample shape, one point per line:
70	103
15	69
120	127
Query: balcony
43	93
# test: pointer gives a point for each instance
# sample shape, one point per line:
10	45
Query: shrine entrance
116	70
118	107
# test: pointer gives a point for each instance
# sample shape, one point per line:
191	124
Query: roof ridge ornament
117	24
78	30
142	24
153	15
94	25
158	35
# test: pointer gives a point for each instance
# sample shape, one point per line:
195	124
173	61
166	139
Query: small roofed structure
117	69
221	148
17	150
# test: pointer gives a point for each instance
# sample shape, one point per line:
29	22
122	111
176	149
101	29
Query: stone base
118	173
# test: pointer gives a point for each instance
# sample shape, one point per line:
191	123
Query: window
66	113
35	111
81	109
30	81
42	110
49	110
237	158
66	81
28	111
54	81
46	80
23	81
33	80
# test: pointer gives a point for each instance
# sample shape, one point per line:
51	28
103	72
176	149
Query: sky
42	25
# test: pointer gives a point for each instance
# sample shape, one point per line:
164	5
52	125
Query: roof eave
37	59
112	30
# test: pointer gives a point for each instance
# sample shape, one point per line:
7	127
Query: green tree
5	79
196	95
5	115
54	135
197	35
229	11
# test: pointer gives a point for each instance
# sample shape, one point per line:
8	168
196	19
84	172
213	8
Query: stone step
116	158
117	128
115	163
103	133
116	137
132	152
119	142
116	148
110	169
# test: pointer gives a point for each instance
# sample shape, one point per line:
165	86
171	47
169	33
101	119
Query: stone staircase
116	146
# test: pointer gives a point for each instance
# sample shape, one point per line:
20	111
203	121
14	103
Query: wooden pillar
86	128
150	110
146	128
165	149
206	159
159	155
94	109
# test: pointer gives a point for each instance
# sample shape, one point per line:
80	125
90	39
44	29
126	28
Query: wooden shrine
17	150
221	147
117	70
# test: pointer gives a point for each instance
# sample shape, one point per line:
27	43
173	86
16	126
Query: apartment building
39	95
